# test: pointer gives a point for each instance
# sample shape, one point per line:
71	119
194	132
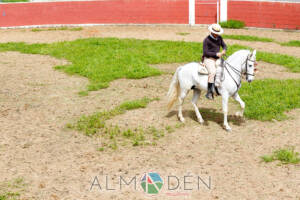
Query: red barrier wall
98	12
256	14
266	14
206	12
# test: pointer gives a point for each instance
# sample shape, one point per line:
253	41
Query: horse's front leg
225	97
242	103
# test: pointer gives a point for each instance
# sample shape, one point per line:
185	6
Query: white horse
187	77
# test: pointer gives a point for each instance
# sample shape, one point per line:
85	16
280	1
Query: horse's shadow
209	114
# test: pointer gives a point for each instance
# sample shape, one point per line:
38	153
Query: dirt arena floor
36	102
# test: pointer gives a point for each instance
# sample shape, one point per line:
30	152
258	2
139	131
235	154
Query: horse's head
250	66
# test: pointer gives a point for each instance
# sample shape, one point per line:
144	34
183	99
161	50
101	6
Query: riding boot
215	89
209	94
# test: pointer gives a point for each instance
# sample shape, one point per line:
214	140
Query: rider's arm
224	46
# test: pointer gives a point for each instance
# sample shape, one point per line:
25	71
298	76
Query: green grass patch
182	33
290	62
236	24
10	196
293	43
100	149
116	136
268	99
93	123
247	38
83	93
285	156
64	28
141	103
112	135
169	129
179	125
10	190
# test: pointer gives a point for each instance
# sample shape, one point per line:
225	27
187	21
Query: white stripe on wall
223	10
192	9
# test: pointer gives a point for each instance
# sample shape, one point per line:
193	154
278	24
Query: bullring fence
265	14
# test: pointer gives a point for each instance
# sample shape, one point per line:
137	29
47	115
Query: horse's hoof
201	121
181	119
239	114
227	128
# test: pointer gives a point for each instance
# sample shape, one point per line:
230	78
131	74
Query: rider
211	53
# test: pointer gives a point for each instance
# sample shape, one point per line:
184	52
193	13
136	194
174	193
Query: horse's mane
237	54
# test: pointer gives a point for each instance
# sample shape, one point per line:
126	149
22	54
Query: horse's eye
250	65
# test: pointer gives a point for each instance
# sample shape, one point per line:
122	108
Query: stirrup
210	97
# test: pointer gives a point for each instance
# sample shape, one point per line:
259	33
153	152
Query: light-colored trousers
210	65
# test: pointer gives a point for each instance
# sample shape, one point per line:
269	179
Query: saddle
202	69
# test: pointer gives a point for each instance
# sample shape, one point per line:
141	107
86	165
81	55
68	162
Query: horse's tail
174	90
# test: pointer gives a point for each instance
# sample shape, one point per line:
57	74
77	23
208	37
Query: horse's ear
250	55
253	53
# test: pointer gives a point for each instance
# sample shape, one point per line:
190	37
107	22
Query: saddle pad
202	69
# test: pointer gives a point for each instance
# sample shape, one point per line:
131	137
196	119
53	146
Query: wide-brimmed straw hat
216	29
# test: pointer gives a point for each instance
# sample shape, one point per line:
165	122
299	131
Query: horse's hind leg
194	103
242	103
183	93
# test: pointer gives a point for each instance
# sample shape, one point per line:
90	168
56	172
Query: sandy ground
57	163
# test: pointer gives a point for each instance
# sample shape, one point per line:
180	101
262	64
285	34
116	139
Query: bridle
246	71
238	72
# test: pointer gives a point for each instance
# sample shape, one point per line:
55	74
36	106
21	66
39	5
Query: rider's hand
219	54
224	52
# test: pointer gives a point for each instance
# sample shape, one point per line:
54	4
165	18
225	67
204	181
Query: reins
238	72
